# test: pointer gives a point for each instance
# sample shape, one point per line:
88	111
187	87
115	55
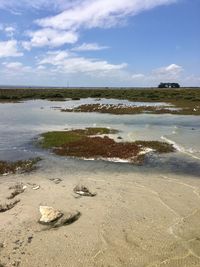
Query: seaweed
83	143
20	166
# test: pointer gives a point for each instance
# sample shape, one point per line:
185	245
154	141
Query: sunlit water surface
21	123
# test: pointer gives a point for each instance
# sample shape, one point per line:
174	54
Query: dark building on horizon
169	85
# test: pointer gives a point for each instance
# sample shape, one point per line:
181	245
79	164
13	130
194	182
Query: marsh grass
59	138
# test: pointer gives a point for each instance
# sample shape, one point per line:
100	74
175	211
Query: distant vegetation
136	94
186	98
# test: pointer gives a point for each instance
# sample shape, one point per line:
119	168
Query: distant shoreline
187	100
2	87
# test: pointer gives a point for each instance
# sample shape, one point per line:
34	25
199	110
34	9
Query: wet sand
136	219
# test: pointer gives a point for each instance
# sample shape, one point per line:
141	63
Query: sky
99	42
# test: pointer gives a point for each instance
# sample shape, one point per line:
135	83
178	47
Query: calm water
20	123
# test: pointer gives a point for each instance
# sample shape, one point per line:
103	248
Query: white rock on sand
49	214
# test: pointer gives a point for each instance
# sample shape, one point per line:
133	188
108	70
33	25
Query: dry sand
134	220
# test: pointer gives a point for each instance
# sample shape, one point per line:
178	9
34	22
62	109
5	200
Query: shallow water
20	123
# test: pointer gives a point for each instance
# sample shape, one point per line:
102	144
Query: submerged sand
136	219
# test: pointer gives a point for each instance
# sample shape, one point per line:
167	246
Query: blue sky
99	42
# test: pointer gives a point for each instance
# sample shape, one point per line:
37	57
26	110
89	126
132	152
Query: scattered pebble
83	191
16	263
56	180
36	187
30	239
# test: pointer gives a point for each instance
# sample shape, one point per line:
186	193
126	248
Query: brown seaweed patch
123	109
98	147
116	109
8	206
17	189
18	166
82	143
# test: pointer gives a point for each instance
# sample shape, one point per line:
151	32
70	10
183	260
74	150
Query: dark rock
67	218
30	239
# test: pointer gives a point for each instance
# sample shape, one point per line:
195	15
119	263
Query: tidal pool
21	123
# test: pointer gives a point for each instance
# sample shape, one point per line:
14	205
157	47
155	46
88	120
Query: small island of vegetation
94	143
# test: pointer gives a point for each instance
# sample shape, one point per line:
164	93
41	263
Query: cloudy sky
99	42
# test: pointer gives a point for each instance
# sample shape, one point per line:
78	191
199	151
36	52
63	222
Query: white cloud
70	63
9	49
12	65
89	47
10	30
98	13
171	71
63	28
15	67
105	6
137	76
13	5
41	67
49	37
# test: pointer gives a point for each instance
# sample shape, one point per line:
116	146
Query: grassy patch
59	138
18	166
56	139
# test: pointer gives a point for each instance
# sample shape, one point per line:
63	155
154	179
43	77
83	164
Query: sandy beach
136	219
